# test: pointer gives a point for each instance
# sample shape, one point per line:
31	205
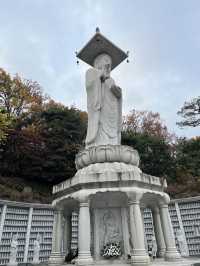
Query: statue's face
103	62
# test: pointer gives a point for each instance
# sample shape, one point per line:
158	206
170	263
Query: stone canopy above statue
99	44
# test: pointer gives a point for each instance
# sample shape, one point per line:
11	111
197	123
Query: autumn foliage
39	139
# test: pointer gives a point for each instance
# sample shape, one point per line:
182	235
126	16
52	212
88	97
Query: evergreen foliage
45	146
155	154
190	113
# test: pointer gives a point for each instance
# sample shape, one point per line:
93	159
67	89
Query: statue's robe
104	105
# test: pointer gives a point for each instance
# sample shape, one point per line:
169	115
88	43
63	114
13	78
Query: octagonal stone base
106	175
112	170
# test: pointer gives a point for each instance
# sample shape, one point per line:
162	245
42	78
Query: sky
39	38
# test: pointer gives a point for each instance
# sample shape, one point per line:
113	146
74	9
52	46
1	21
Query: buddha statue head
103	62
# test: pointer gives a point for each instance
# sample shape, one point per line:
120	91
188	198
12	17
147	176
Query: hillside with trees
39	139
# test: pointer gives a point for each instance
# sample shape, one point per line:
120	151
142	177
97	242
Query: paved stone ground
183	262
160	262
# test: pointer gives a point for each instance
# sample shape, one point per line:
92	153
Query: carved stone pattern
110	226
107	153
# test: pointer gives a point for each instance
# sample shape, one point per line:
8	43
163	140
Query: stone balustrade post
158	232
56	256
171	253
84	234
139	256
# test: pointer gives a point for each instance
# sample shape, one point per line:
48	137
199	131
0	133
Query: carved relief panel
107	229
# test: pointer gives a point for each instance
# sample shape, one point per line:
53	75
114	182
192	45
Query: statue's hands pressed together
116	91
103	78
105	72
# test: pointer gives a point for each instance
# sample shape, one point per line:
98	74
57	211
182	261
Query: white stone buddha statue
104	98
104	104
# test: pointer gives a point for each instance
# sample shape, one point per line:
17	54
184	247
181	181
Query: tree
187	171
63	132
156	157
146	132
4	124
188	156
190	112
22	153
43	145
19	95
146	122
